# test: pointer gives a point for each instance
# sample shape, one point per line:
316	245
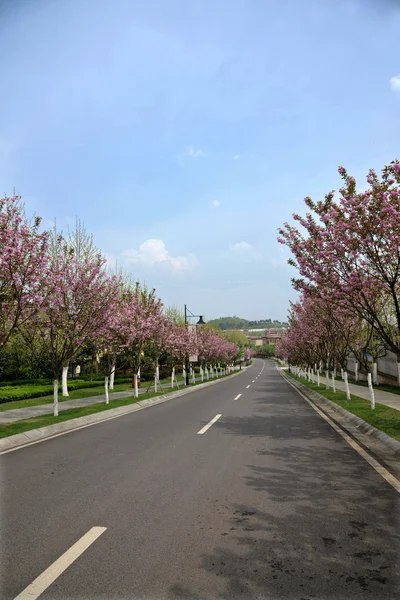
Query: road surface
267	502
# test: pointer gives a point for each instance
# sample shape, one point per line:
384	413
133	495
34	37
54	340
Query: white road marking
374	463
247	386
237	397
209	425
41	583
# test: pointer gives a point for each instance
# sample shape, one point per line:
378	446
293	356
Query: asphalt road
270	502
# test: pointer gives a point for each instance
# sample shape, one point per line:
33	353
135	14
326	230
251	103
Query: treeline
348	259
239	323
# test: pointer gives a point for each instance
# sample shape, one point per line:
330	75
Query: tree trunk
375	377
55	398
135	379
346	383
333	383
112	377
398	370
106	389
64	380
318	380
356	371
327	379
371	391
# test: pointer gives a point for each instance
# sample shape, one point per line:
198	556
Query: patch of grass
73	395
383	417
7	429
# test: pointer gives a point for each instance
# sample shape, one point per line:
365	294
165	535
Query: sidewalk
17	414
381	397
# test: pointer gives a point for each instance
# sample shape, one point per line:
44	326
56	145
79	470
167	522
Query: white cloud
240	246
193	153
190	152
245	250
395	83
215	203
236	156
153	252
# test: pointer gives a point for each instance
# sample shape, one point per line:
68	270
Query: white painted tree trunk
157	377
356	371
346	383
135	381
341	373
375	377
202	373
327	379
207	374
333	383
173	377
371	391
112	377
398	373
334	371
55	398
64	380
318	379
106	389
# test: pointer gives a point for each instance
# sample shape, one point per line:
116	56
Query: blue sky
184	133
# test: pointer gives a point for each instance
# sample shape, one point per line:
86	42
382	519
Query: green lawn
74	394
7	429
383	417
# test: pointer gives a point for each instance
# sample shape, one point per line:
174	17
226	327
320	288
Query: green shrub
8	393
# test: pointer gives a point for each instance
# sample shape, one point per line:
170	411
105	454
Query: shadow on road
320	523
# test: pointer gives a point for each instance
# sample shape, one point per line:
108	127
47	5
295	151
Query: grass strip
74	395
385	418
7	429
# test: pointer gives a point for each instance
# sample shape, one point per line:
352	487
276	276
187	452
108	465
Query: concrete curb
357	422
32	436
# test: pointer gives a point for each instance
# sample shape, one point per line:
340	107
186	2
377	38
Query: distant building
269	336
262	337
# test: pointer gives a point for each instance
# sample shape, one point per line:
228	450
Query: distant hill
238	323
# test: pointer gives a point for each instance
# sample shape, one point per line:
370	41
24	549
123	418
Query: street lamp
188	315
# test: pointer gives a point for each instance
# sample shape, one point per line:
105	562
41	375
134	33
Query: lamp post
188	315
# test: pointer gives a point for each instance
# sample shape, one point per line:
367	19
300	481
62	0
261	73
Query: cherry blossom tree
23	267
147	316
349	254
78	305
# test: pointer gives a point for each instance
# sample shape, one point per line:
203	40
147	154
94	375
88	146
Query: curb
357	422
19	440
